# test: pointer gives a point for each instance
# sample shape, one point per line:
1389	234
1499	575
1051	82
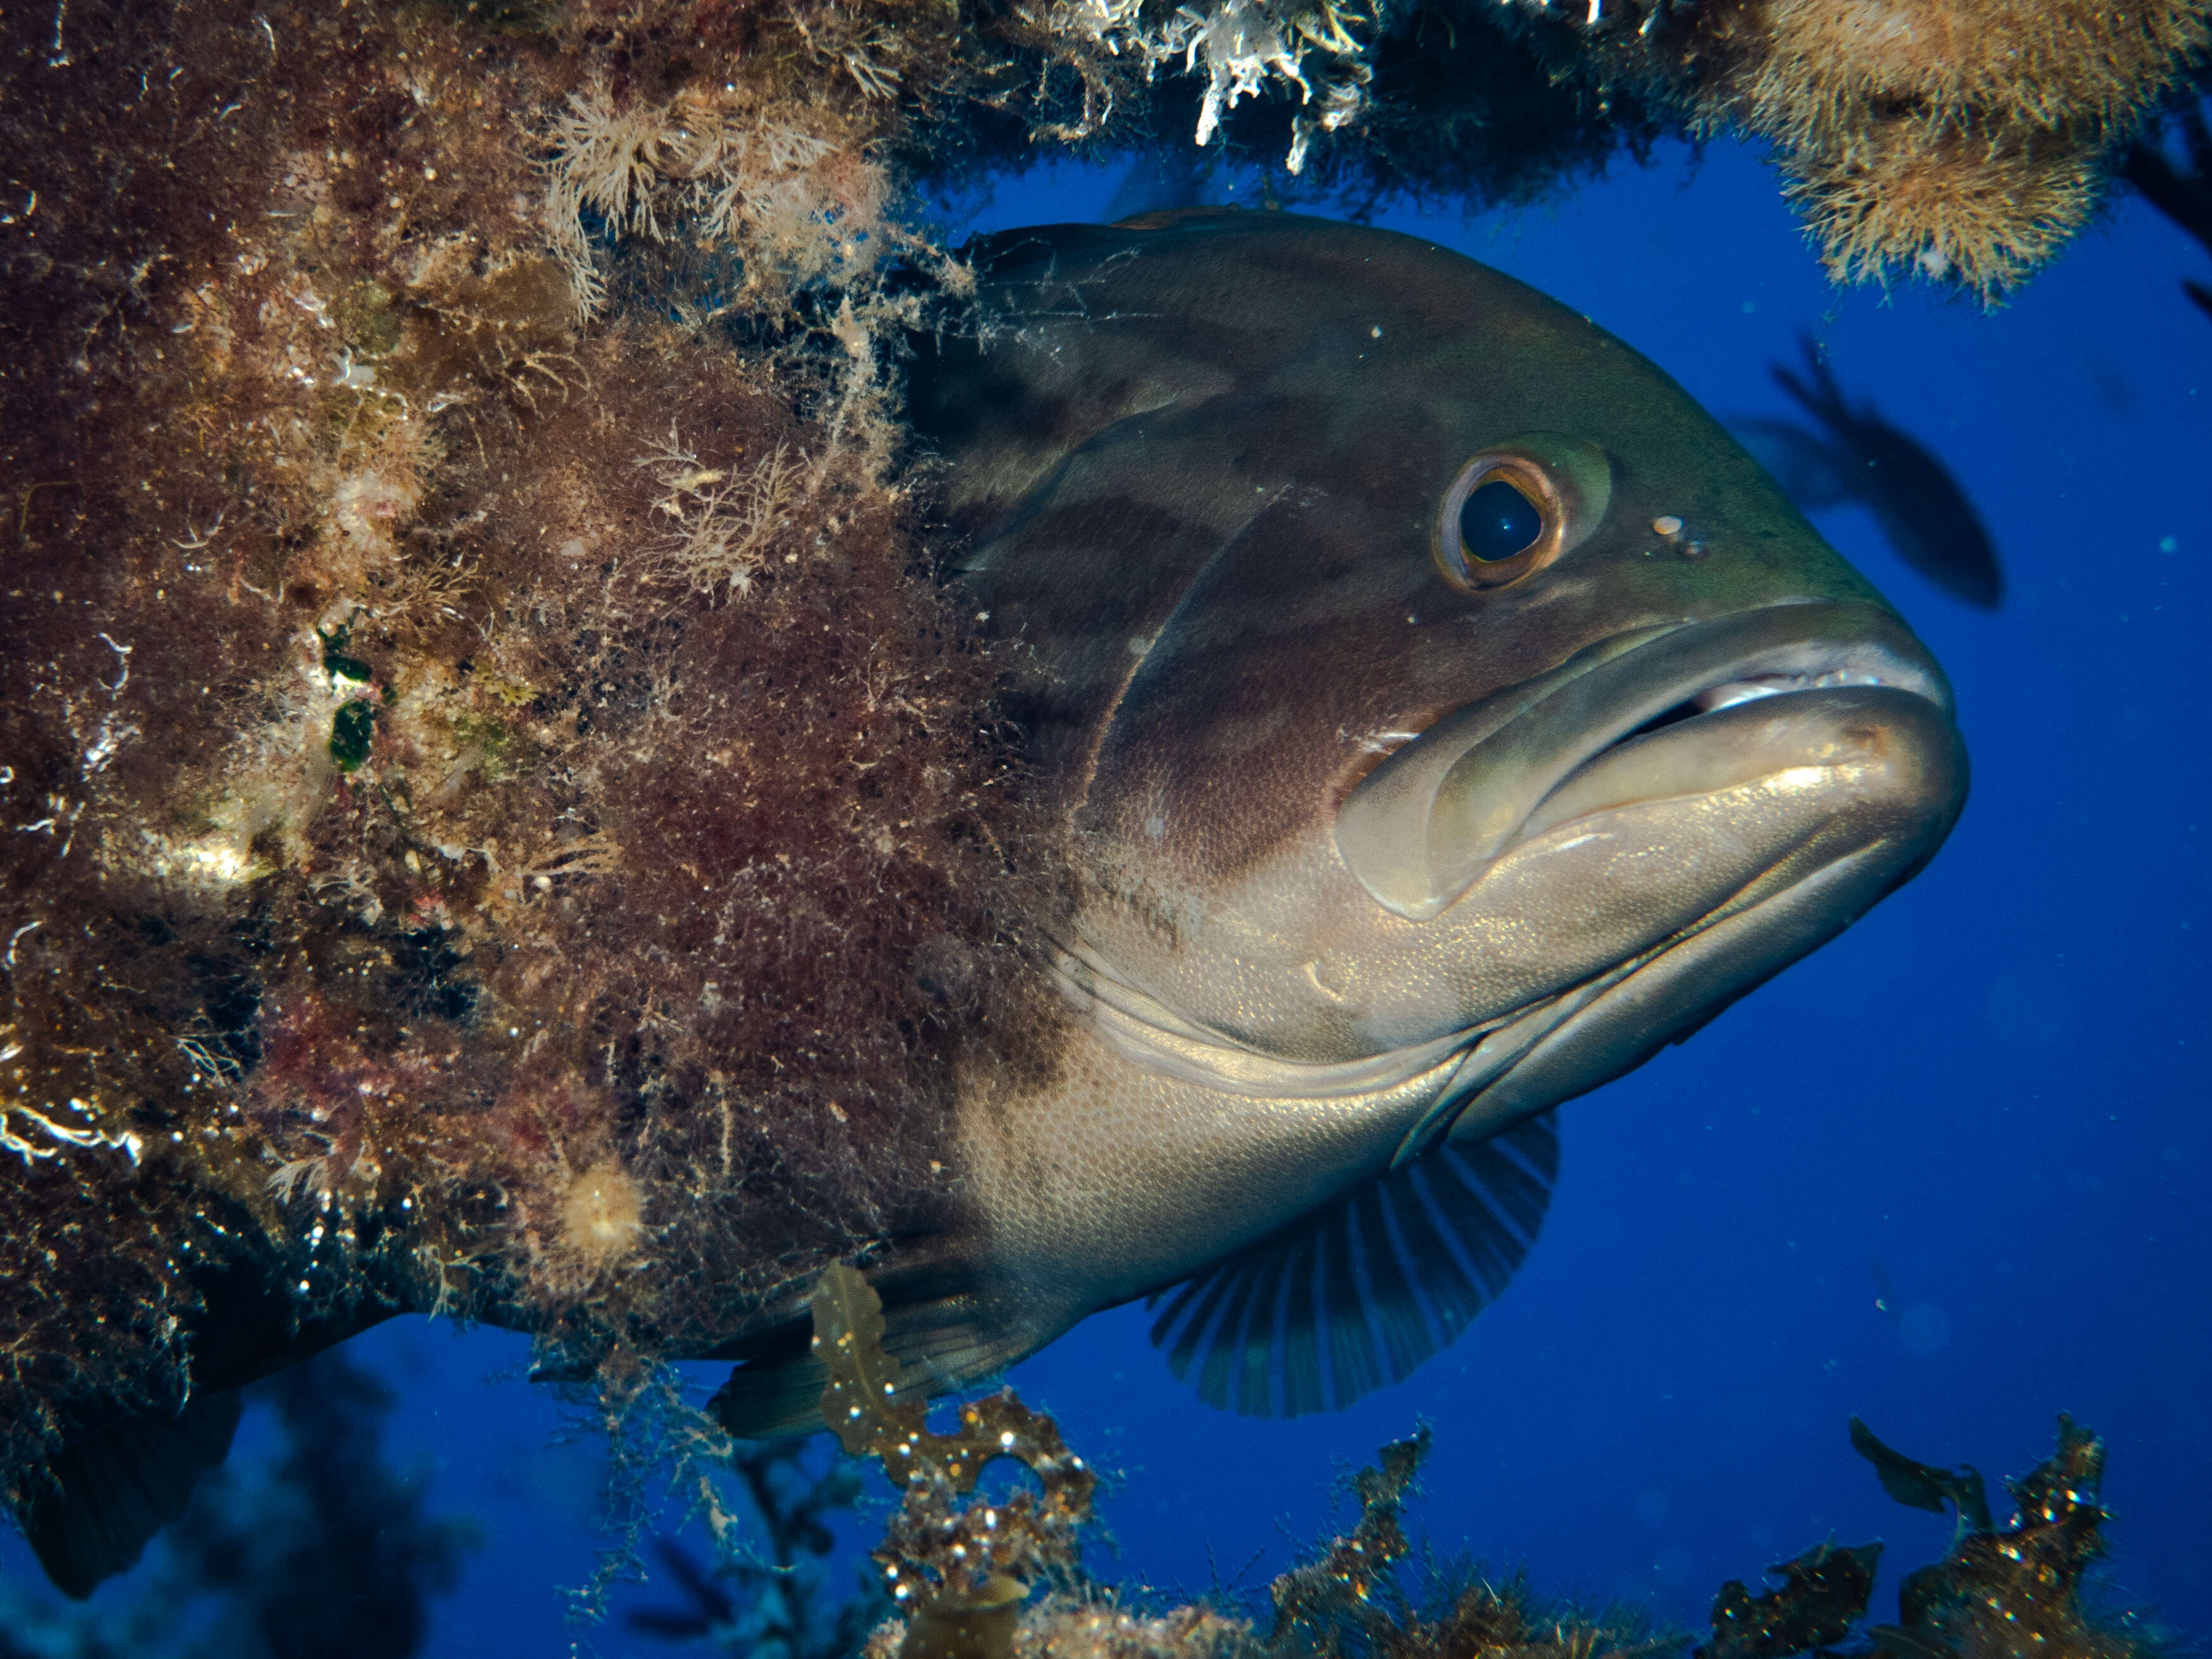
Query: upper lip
1420	828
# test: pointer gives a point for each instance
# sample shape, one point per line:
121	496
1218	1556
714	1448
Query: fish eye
1499	522
1514	509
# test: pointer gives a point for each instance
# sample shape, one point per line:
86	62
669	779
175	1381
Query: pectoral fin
114	1489
1379	1280
944	1339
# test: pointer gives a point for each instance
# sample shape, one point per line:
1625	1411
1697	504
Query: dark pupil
1497	522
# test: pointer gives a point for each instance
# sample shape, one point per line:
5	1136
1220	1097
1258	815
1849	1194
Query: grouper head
1445	713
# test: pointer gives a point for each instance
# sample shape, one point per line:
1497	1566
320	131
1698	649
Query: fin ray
114	1489
1406	1338
1227	1347
1514	1191
1201	1320
1351	1343
1260	1338
1364	1289
1301	1391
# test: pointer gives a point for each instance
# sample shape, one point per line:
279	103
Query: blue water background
1986	1104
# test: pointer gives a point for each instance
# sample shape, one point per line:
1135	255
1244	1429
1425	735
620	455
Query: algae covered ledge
428	634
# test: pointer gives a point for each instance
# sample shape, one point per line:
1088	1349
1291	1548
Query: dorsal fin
1360	1292
114	1489
996	253
1178	218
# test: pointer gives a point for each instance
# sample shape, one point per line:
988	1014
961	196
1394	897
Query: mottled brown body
1373	867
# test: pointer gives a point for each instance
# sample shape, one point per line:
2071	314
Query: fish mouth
1676	711
1692	808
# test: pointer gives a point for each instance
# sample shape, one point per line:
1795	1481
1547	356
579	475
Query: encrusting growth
452	864
599	1217
1963	142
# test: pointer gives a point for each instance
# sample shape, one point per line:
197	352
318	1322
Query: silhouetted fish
2182	194
1860	456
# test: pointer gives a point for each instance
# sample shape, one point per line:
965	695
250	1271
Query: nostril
1682	538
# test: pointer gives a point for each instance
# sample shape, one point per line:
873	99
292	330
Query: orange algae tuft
600	1220
1962	142
1983	213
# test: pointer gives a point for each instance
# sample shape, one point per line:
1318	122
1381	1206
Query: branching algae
962	1573
961	1578
771	1601
970	1577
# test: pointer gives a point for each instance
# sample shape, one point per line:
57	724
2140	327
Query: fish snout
1631	841
1799	813
1644	717
1878	758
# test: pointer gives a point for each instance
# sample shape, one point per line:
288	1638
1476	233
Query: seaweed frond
1823	1594
962	1571
2023	1587
1348	1599
1312	1600
2000	1590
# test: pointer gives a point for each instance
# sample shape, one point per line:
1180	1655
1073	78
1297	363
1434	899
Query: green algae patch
336	664
353	728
